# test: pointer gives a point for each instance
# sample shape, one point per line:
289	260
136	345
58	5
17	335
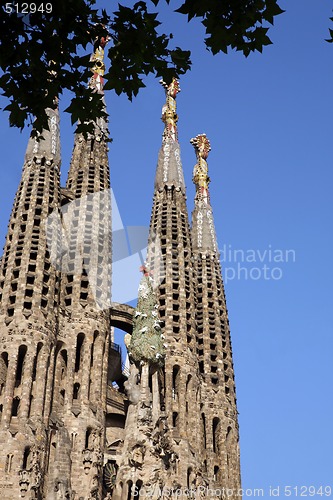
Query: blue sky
269	120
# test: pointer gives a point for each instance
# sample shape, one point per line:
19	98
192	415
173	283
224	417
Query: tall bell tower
218	411
29	306
78	405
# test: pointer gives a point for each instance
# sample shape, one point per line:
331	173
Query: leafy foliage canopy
41	54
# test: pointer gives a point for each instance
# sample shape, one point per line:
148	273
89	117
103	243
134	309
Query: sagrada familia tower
74	423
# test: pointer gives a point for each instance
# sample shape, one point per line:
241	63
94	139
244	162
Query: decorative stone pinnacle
200	173
169	115
97	58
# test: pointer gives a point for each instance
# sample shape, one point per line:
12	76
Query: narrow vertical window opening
79	344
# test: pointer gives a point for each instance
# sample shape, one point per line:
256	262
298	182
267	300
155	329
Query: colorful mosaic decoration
200	173
97	58
169	115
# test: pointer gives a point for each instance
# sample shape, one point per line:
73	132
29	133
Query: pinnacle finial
200	173
97	58
169	115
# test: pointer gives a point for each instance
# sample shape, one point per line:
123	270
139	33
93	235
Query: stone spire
219	426
28	246
87	213
169	170
79	399
29	292
49	146
203	231
164	401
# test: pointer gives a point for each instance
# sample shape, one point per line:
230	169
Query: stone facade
75	423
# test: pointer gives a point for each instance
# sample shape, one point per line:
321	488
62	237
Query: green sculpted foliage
146	344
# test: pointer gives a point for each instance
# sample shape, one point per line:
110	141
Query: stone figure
131	386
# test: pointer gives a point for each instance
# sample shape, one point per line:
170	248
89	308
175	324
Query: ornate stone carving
109	477
200	173
169	115
24	481
92	458
94	487
131	385
62	491
87	460
136	456
30	479
97	58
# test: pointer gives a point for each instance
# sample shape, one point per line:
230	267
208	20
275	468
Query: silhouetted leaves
41	54
139	50
235	24
330	40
